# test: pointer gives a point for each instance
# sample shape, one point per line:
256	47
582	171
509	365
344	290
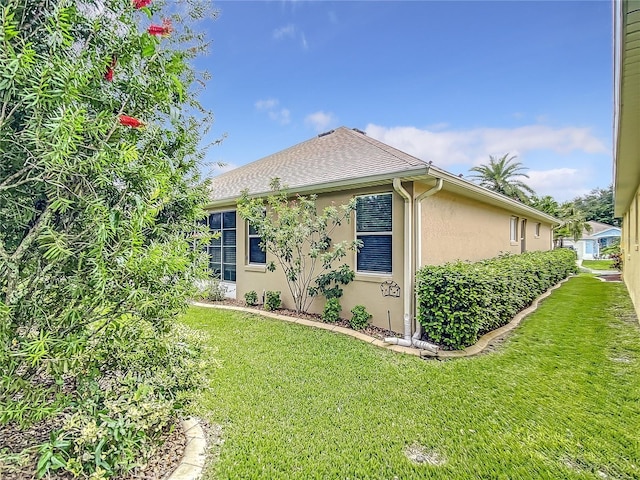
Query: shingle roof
337	156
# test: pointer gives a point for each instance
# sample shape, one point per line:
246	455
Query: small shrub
332	309
215	290
251	298
616	260
272	300
360	317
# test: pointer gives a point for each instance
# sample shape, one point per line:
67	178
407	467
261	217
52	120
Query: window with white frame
537	231
255	253
222	249
514	229
374	230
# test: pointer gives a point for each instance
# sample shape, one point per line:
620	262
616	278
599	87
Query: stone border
192	463
475	349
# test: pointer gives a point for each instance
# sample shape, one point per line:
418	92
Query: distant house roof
599	230
347	158
340	155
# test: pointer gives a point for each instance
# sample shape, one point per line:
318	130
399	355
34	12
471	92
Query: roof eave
349	184
488	196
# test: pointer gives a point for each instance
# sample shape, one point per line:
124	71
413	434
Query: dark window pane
229	220
214	221
375	254
229	255
252	230
230	273
256	254
229	238
215	254
216	241
373	213
215	269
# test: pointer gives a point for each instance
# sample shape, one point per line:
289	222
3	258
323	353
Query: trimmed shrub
272	300
360	317
332	309
460	301
251	298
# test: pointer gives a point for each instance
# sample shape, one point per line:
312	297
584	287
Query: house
421	215
626	125
590	245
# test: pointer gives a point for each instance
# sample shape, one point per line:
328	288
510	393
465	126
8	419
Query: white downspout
415	340
408	264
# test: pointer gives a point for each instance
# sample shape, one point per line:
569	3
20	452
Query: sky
448	82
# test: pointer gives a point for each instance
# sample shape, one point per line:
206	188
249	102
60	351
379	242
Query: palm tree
500	175
574	223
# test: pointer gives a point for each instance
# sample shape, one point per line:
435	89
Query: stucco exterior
630	248
451	227
458	228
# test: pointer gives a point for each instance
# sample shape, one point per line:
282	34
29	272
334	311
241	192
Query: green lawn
598	264
559	399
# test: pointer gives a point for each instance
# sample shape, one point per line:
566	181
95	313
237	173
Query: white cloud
471	147
303	40
561	183
283	32
267	104
321	121
282	116
270	106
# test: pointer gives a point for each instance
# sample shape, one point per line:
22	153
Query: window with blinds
257	255
374	230
222	249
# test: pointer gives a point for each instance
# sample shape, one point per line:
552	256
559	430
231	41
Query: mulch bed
371	330
615	277
165	460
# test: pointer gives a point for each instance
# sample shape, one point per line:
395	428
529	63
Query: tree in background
503	175
574	223
99	194
546	204
597	206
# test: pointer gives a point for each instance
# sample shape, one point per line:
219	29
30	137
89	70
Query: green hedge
460	301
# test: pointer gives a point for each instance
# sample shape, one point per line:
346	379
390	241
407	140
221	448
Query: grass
559	399
598	264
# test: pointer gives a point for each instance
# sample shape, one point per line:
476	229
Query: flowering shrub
460	301
98	252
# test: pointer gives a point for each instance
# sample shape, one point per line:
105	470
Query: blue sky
450	82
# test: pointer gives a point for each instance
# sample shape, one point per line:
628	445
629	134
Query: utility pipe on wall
408	264
415	340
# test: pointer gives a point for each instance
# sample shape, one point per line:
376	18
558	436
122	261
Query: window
374	230
255	252
222	250
537	231
514	229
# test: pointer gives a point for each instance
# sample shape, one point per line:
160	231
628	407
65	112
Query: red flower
130	121
165	29
141	3
108	75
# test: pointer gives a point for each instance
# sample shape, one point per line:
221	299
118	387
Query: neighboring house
591	243
409	214
626	126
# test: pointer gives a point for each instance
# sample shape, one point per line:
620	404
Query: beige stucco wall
453	227
364	290
629	243
458	228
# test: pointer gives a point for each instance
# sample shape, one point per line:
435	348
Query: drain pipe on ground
408	259
415	339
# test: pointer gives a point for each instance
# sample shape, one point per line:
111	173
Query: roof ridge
384	147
